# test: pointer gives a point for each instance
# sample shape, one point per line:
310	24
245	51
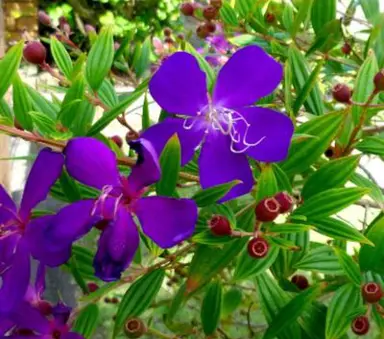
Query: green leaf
87	321
247	266
145	120
177	302
9	65
138	298
372	145
371	9
282	179
78	66
231	301
327	38
375	191
338	229
288	18
141	60
77	274
291	311
211	308
302	15
372	258
266	183
43	123
283	243
61	57
208	196
69	187
301	70
100	58
6	114
228	15
350	267
41	104
330	202
334	173
22	104
170	167
107	94
114	112
81	123
341	311
289	228
288	100
208	238
321	259
323	11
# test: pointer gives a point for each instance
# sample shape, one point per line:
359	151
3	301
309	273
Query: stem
159	334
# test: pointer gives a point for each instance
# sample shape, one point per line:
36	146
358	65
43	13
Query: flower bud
115	300
167	31
210	12
89	29
285	201
130	136
210	27
187	9
44	18
35	53
270	18
360	325
379	81
346	49
300	281
342	93
134	328
220	225
117	140
258	248
201	31
116	46
216	3
107	300
267	210
371	292
92	287
180	36
168	40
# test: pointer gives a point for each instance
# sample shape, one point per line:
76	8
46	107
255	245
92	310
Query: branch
370	130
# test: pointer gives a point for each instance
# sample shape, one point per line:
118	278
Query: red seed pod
115	300
167	31
117	140
210	27
180	36
134	328
267	210
35	53
44	18
201	31
270	17
210	12
379	81
342	93
187	9
285	201
44	307
300	281
220	225
360	325
371	292
92	287
258	248
216	3
346	48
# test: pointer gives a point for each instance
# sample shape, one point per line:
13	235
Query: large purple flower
16	226
167	221
227	125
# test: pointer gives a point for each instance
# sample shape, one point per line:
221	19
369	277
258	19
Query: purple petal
40	279
147	169
7	249
160	133
179	86
91	162
7	206
5	325
15	279
276	129
45	171
28	317
167	221
249	75
219	165
72	335
61	313
117	247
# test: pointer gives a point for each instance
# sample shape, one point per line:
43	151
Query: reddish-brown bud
116	46
117	140
92	287
285	201
220	225
267	210
346	48
210	27
35	53
168	40
342	93
201	31
115	300
300	281
134	328
187	9
360	325
44	307
107	300
167	31
130	136
330	152
180	36
210	12
371	292
270	17
89	28
258	248
379	81
44	18
216	3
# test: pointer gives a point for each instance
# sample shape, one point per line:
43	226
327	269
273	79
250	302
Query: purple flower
167	221
226	124
16	225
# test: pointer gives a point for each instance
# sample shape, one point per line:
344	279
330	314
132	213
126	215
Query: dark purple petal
15	279
5	325
61	313
28	317
117	246
160	133
72	335
147	170
276	129
167	221
91	162
179	86
249	75
40	279
7	249
7	206
45	171
219	165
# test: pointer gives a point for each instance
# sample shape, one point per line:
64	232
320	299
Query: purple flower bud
44	18
35	53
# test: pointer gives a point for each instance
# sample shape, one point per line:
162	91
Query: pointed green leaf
43	123
87	321
350	267
211	308
266	183
145	120
289	228
41	104
210	195
288	18
6	114
107	94
142	59
323	11
371	9
302	15
372	145
375	191
22	103
231	301
61	57
228	15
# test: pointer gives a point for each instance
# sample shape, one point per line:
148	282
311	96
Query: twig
373	129
370	176
369	203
